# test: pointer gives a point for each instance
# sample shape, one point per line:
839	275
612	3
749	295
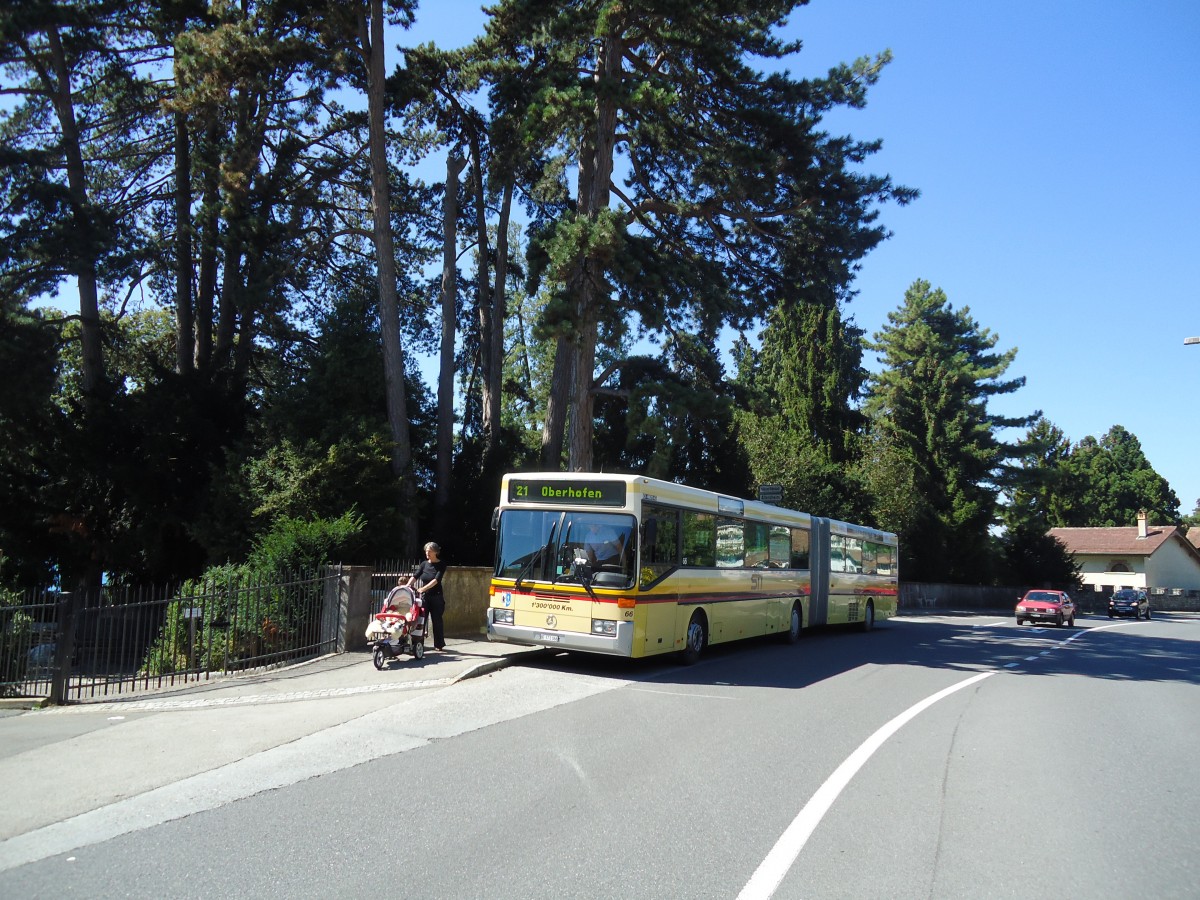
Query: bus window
757	547
780	546
660	543
883	560
699	539
837	553
870	549
800	539
854	554
523	538
602	542
731	544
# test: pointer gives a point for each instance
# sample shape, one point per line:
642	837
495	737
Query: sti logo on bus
575	492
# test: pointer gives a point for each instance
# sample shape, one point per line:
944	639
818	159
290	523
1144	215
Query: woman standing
427	582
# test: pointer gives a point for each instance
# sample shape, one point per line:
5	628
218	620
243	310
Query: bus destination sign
576	492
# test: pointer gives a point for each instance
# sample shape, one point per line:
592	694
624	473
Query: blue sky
1056	148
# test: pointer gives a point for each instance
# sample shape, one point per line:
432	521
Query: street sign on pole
770	493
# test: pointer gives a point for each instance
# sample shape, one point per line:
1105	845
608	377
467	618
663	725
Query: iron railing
113	641
386	573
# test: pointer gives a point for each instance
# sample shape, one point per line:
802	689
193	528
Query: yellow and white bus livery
631	566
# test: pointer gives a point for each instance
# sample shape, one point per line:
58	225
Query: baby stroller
394	632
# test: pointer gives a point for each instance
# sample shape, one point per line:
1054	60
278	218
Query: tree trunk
445	428
594	195
84	258
557	404
493	377
385	253
206	293
185	329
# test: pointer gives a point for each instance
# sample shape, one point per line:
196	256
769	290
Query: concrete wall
915	596
466	590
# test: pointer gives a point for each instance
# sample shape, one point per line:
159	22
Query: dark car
1046	606
1128	602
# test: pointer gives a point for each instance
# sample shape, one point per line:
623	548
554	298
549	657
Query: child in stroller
398	628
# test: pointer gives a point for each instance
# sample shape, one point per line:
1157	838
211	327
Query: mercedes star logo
551	621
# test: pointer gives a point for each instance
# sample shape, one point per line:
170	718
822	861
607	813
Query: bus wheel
868	619
697	637
794	625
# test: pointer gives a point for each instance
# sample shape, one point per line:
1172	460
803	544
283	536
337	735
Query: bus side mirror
495	518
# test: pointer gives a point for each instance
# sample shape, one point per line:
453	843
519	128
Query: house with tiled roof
1144	556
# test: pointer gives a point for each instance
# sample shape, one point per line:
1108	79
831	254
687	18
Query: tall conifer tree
929	405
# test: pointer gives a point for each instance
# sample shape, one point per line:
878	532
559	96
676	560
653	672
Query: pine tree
715	168
929	406
1114	480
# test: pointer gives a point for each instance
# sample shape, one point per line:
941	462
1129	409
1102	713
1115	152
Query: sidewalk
76	770
338	674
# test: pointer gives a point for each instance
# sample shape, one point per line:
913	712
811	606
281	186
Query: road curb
23	702
500	662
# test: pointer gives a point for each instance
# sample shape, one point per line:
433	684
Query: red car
1046	606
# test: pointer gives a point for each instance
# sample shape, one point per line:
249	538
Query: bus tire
795	623
868	619
697	638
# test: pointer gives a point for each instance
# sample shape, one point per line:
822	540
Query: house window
1119	567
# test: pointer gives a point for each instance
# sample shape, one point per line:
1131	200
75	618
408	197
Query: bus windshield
572	547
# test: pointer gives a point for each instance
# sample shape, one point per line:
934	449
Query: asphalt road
936	757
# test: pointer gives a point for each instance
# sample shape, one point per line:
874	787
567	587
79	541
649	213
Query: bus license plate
548	638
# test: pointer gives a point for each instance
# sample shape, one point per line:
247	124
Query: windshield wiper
581	570
528	567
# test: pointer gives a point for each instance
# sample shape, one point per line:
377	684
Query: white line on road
769	874
774	867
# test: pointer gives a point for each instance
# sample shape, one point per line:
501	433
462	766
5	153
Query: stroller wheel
419	649
378	658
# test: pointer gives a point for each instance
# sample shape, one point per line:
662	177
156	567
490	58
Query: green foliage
219	206
16	627
251	610
1101	483
29	423
301	545
1111	480
929	407
801	428
672	417
230	617
1032	557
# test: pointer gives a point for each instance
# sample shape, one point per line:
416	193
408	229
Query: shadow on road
1163	650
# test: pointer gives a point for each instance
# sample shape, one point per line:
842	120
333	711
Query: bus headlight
502	616
606	627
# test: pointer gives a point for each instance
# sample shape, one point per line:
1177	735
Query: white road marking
775	866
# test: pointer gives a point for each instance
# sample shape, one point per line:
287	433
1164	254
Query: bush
294	545
255	609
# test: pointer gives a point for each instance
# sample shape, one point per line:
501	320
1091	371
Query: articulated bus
631	566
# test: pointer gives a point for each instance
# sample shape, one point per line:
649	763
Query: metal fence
386	572
113	641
